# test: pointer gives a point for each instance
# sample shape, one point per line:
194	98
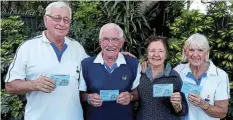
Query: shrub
13	33
217	26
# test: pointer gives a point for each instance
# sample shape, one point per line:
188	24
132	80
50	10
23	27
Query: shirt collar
212	70
45	39
120	59
166	72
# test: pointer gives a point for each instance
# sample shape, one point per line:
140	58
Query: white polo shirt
215	86
37	57
120	60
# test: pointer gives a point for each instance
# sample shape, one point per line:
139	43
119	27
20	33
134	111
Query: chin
156	64
60	35
195	64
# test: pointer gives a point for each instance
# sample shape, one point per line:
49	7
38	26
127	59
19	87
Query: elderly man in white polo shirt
212	103
46	69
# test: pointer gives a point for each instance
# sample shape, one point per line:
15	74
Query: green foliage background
217	26
88	17
13	33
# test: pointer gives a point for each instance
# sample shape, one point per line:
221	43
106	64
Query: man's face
58	22
111	42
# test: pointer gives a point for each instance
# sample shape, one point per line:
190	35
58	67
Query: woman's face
195	55
156	53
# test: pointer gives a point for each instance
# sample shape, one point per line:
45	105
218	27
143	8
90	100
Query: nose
195	53
62	22
110	43
156	53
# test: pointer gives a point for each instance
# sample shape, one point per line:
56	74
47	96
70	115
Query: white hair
111	25
197	40
57	5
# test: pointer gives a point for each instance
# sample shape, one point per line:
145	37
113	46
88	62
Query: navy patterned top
152	108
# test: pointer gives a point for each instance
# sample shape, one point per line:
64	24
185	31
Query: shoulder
221	72
74	42
179	67
174	73
130	59
88	60
30	42
176	79
214	70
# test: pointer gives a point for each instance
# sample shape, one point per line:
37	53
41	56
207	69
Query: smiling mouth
110	49
196	59
156	59
60	29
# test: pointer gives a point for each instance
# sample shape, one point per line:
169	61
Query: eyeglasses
58	18
112	40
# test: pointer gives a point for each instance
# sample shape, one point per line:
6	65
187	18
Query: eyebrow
60	16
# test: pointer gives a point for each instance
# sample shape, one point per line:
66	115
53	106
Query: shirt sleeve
82	84
17	69
83	52
223	90
137	79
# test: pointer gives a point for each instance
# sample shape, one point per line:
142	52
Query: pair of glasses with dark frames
58	18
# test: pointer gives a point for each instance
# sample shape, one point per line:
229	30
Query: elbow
223	115
83	96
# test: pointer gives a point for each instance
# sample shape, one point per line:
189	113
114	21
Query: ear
185	51
45	20
206	56
122	42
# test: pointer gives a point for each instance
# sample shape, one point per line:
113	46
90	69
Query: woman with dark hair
154	103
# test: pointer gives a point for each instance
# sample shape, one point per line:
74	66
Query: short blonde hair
111	25
57	5
199	41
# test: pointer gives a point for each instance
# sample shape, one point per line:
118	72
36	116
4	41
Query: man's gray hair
57	5
197	40
111	25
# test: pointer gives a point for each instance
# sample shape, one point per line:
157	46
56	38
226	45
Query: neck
109	60
199	70
157	69
58	41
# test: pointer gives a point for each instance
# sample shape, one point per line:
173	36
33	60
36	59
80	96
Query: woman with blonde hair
212	103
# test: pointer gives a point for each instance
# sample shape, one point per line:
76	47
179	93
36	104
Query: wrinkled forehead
60	11
110	33
156	45
195	47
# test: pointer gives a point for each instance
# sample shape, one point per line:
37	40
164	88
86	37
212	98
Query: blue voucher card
60	80
109	95
191	88
162	90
